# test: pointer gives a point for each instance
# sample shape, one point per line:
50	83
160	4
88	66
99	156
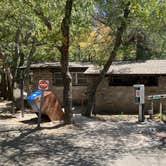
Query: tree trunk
16	56
4	85
118	41
67	80
24	74
4	76
21	81
9	83
67	93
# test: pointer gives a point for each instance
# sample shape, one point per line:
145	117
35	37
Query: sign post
43	85
139	98
40	109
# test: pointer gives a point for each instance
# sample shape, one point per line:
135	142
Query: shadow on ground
34	121
94	142
2	117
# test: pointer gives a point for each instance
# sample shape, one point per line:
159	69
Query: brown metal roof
132	67
57	64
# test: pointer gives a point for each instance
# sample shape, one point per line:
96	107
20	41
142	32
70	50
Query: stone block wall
119	99
78	92
110	99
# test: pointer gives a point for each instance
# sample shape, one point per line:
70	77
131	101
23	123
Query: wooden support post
161	112
151	113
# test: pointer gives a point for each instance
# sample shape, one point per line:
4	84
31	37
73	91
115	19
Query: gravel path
100	141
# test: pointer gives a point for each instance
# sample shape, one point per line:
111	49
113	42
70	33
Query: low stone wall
119	99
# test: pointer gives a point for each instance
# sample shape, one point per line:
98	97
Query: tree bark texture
118	42
24	73
16	55
7	78
67	80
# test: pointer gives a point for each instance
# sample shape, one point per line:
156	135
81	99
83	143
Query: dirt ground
100	141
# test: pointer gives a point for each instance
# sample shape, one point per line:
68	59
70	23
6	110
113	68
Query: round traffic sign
43	84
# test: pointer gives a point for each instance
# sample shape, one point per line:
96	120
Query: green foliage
32	16
145	34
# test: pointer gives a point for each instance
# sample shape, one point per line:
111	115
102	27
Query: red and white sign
138	93
43	84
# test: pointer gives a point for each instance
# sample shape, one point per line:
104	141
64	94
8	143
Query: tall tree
118	41
110	14
64	49
16	40
62	38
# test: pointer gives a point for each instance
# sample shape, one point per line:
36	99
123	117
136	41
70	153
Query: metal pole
141	113
40	110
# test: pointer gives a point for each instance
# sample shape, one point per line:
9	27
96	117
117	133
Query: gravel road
99	141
